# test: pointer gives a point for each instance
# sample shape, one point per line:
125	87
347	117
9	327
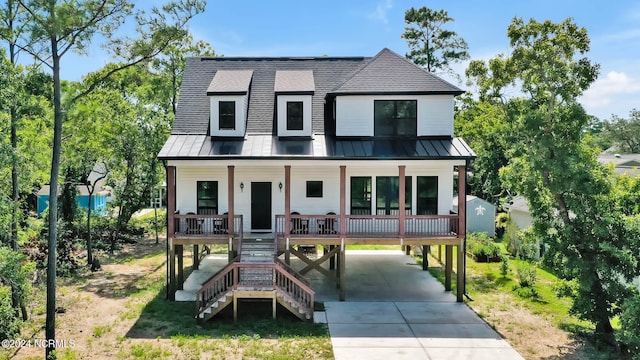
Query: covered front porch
293	231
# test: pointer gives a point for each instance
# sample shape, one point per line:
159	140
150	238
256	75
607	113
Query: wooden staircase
256	273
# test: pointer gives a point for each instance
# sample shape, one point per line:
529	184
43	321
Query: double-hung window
227	115
294	115
207	197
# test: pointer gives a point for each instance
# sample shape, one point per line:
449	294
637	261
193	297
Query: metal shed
481	215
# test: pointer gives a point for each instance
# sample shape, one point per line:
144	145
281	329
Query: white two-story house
314	150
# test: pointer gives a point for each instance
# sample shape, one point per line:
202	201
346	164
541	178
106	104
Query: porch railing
199	224
330	226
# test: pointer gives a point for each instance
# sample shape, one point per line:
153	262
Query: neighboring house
519	213
312	150
624	164
98	201
481	215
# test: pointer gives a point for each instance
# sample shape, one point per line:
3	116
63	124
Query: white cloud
603	92
381	11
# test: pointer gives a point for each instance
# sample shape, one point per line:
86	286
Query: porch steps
258	282
257	251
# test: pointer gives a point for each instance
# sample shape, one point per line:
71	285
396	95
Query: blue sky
344	28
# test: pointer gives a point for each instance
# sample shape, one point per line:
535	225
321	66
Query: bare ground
102	318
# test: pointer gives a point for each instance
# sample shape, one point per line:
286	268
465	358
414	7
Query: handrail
216	286
228	279
290	270
293	287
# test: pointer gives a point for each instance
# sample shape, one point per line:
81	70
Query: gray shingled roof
320	147
390	73
193	107
230	82
387	72
294	81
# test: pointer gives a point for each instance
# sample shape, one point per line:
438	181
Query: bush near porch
482	248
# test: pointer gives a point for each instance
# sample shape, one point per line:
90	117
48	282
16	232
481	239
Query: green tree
623	133
430	44
570	193
486	128
55	28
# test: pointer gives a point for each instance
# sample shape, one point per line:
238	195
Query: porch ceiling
186	147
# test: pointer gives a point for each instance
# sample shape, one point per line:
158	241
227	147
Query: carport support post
196	256
171	230
462	231
180	253
287	213
341	271
172	270
448	267
425	256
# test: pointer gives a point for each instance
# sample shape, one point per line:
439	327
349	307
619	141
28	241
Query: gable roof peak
390	73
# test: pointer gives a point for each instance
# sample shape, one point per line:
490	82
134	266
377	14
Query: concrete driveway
394	310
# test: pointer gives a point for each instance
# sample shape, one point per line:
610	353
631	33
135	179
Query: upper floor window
227	115
294	115
395	117
207	200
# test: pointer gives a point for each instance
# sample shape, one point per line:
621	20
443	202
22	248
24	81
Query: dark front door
261	206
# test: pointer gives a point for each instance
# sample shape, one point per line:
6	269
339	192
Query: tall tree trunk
50	326
90	190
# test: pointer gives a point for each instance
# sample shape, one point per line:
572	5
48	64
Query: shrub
527	275
481	245
504	266
9	322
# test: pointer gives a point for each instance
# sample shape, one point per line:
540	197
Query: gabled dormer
390	97
229	97
294	90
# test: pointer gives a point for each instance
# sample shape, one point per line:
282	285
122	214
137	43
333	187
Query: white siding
435	115
186	187
241	115
282	115
188	174
354	114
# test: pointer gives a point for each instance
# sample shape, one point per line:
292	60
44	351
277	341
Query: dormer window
227	115
229	99
294	90
395	118
295	115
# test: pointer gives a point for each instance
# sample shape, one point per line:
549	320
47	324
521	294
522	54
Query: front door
260	206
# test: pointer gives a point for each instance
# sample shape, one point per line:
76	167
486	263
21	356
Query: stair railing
225	280
293	287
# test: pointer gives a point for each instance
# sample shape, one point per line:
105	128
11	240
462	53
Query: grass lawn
121	313
537	327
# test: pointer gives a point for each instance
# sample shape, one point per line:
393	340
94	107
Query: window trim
367	195
389	196
215	196
434	200
395	121
310	187
289	119
226	116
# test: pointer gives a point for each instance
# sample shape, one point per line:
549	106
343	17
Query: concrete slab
437	313
361	335
209	265
376	353
363	313
472	354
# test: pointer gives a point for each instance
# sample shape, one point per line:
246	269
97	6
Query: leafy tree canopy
431	45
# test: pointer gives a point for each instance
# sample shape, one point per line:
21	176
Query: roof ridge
358	70
422	68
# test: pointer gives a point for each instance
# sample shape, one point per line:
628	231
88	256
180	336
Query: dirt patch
532	335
